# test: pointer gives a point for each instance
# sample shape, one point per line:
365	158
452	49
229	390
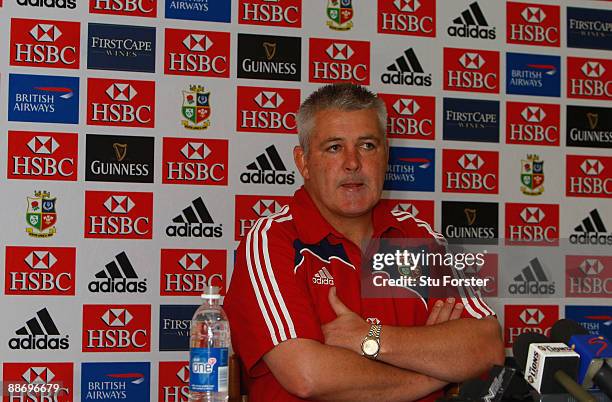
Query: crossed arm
419	360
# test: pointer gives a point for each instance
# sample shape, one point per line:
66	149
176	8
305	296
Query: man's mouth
352	185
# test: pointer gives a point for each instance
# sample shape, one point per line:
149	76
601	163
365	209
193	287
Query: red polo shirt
283	272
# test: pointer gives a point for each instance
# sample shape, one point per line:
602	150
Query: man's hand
444	311
348	329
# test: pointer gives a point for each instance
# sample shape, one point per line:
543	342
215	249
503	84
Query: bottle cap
211	292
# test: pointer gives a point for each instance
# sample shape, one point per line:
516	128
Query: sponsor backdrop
143	138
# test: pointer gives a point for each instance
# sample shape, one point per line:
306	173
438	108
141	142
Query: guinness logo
270	49
593	119
470	215
120	151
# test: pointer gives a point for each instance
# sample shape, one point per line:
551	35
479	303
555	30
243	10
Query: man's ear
299	156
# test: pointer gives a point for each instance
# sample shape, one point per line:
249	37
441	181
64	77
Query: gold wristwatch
370	346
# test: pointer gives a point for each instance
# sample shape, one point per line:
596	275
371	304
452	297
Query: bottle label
208	370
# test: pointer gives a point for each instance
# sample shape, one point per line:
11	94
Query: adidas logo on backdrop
194	221
268	168
472	24
532	281
118	276
591	231
406	70
39	332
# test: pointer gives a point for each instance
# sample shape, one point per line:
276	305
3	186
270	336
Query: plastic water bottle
209	348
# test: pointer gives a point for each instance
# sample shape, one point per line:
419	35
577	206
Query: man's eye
333	148
369	145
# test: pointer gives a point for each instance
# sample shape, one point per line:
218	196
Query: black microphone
551	368
595	355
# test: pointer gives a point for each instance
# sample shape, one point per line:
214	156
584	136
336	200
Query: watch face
370	347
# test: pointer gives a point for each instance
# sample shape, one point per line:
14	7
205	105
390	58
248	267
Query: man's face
345	167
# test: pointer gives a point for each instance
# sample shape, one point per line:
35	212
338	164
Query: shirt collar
312	227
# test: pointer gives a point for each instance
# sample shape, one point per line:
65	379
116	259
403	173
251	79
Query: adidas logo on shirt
39	332
591	231
323	277
471	24
268	168
118	276
194	221
406	70
532	281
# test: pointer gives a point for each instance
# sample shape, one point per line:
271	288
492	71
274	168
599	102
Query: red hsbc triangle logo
407	17
249	208
588	176
42	156
118	215
588	276
195	161
116	328
410	116
471	70
532	123
533	24
282	13
40	271
333	60
46	381
199	53
135	8
520	319
127	103
173	381
470	171
589	78
420	209
532	224
267	110
186	272
45	43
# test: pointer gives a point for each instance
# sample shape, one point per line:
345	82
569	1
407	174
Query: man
299	322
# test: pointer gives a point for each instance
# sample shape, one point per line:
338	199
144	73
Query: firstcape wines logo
268	168
39	333
282	13
118	276
407	17
194	221
472	23
121	48
471	120
406	70
45	43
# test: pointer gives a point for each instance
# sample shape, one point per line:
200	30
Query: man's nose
352	159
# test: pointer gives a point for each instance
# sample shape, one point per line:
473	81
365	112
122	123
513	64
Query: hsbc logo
533	24
173	381
421	209
115	215
520	319
470	172
529	124
283	13
116	328
407	17
269	110
249	208
532	224
49	382
410	117
42	156
40	271
333	60
586	176
42	43
589	78
193	161
186	272
588	277
470	70
134	8
199	53
121	103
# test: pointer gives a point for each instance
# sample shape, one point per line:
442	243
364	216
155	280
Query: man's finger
456	313
446	310
435	311
336	304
